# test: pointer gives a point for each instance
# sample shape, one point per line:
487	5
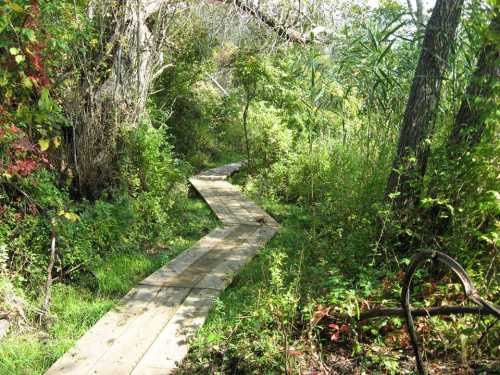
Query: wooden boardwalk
148	332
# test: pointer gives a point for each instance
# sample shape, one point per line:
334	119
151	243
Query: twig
423	311
218	85
48	284
72	269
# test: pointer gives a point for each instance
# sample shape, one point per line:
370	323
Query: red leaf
344	328
335	336
23	167
23	145
295	353
14	129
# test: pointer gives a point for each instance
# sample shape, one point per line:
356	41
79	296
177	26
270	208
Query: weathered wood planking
171	346
148	332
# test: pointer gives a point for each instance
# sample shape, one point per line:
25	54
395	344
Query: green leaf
56	141
19	59
16	7
394	195
14	51
387	49
27	83
30	34
44	103
393	31
373	39
44	144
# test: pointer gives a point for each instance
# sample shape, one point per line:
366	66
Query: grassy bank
76	306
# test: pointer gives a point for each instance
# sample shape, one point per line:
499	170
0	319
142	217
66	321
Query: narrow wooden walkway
148	332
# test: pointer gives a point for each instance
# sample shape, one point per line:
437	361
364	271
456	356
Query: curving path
148	332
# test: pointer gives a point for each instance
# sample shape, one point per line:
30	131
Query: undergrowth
76	306
286	311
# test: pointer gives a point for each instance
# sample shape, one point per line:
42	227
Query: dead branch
48	284
424	311
282	30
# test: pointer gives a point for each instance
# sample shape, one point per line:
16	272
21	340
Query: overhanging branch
283	31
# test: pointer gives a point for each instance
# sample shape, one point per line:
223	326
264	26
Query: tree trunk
416	130
418	15
481	98
478	105
420	12
245	128
114	85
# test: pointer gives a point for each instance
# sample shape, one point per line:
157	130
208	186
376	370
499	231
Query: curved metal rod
469	290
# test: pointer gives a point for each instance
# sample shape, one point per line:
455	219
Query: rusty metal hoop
469	290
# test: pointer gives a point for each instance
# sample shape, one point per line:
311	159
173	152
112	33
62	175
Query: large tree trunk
114	85
416	130
481	96
478	105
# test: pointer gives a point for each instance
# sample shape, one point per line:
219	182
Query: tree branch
283	31
428	311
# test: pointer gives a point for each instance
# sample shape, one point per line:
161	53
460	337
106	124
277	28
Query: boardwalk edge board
148	332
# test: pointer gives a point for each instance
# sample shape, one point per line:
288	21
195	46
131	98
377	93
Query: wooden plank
259	212
128	349
104	333
221	211
222	274
188	257
194	272
171	346
220	172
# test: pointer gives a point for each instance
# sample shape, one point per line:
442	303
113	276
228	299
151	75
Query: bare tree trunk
479	102
245	128
481	98
420	12
115	84
410	7
48	283
416	130
418	15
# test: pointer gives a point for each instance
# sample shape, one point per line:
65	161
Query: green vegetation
370	134
77	305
